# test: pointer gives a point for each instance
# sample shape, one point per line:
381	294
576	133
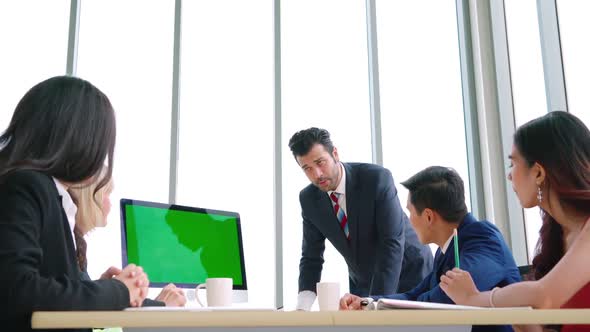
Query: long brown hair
560	142
63	127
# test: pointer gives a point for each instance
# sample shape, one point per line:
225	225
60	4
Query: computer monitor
183	245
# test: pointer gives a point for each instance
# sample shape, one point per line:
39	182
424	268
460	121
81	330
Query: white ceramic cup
219	292
328	295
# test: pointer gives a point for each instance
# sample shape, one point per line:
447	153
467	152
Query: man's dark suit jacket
38	269
482	252
383	254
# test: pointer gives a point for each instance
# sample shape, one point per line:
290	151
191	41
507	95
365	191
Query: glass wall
421	100
573	27
132	65
325	84
226	124
528	84
28	55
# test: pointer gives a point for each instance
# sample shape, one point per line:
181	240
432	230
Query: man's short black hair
440	189
303	140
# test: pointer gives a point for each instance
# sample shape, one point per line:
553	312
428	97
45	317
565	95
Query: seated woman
94	205
551	170
61	134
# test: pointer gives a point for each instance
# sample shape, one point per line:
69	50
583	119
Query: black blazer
383	254
37	256
146	302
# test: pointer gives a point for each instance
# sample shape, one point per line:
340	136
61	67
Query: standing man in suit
355	207
437	207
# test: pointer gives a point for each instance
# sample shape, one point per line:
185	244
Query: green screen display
182	247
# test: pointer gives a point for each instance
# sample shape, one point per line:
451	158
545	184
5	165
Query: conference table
291	321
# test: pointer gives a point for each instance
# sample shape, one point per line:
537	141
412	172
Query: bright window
226	124
528	84
126	51
573	28
421	100
30	55
325	84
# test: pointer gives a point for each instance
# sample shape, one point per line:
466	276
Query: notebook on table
391	304
206	309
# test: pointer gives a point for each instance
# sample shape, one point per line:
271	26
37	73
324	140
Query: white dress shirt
306	298
341	190
446	246
68	205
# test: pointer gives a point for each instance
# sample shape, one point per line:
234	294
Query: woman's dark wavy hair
560	142
63	127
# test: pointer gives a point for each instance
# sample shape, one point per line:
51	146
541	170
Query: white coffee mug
328	295
219	292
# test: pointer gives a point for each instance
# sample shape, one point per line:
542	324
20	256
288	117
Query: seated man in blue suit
436	203
355	206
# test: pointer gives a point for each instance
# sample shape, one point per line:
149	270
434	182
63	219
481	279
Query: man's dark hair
304	140
440	189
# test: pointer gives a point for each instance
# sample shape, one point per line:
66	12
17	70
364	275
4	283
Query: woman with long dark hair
61	133
551	170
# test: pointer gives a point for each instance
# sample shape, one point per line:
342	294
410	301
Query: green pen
456	242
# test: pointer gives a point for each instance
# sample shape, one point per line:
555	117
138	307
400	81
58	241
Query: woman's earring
539	194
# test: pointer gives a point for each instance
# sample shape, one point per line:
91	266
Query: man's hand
172	296
350	302
137	283
110	273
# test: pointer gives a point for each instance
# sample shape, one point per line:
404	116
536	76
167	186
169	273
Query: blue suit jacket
383	253
482	252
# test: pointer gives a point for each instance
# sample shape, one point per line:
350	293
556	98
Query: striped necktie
340	214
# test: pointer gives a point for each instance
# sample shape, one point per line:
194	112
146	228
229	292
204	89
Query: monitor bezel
127	201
